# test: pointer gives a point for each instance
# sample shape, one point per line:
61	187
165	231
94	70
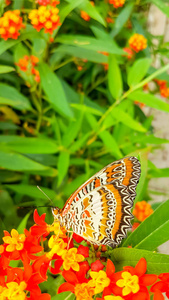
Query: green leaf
17	162
54	91
10	96
159	173
87	109
138	71
63	165
156	263
88	54
92	12
24	189
28	144
153	231
72	131
121	19
114	78
91	43
162	6
23	223
6	69
64	296
110	144
126	119
149	100
65	11
143	157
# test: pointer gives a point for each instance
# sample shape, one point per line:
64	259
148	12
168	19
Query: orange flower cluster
164	89
46	18
27	64
84	274
11	24
142	210
84	15
117	3
138	42
48	2
129	52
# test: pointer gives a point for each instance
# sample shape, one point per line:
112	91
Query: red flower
97	266
161	286
41	228
131	284
83	250
73	278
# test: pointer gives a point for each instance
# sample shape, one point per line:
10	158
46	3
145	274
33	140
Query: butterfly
100	209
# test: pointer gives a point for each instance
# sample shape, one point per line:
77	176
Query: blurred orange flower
129	51
11	24
27	64
48	2
142	210
117	3
46	18
138	42
84	15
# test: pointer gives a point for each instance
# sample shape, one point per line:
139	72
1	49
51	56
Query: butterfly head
56	211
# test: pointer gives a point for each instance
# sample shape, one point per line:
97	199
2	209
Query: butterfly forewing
99	210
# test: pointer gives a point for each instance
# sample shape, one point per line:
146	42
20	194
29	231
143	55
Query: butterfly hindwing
99	210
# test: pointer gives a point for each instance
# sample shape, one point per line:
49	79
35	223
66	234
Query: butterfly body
100	210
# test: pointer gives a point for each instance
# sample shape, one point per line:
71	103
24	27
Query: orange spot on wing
129	170
97	183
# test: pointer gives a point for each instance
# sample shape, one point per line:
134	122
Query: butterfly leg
69	238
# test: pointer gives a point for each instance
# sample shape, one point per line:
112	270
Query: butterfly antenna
46	195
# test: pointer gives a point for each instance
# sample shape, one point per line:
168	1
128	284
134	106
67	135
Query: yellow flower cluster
138	42
46	18
11	24
117	3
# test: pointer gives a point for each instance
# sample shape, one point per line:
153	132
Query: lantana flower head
138	42
10	24
48	2
142	210
27	64
46	18
117	3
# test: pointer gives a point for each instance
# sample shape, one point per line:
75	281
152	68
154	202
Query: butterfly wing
103	216
99	210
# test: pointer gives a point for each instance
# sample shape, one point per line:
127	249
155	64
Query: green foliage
81	116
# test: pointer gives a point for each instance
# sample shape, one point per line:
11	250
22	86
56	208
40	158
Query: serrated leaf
138	71
54	91
153	231
114	78
149	100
